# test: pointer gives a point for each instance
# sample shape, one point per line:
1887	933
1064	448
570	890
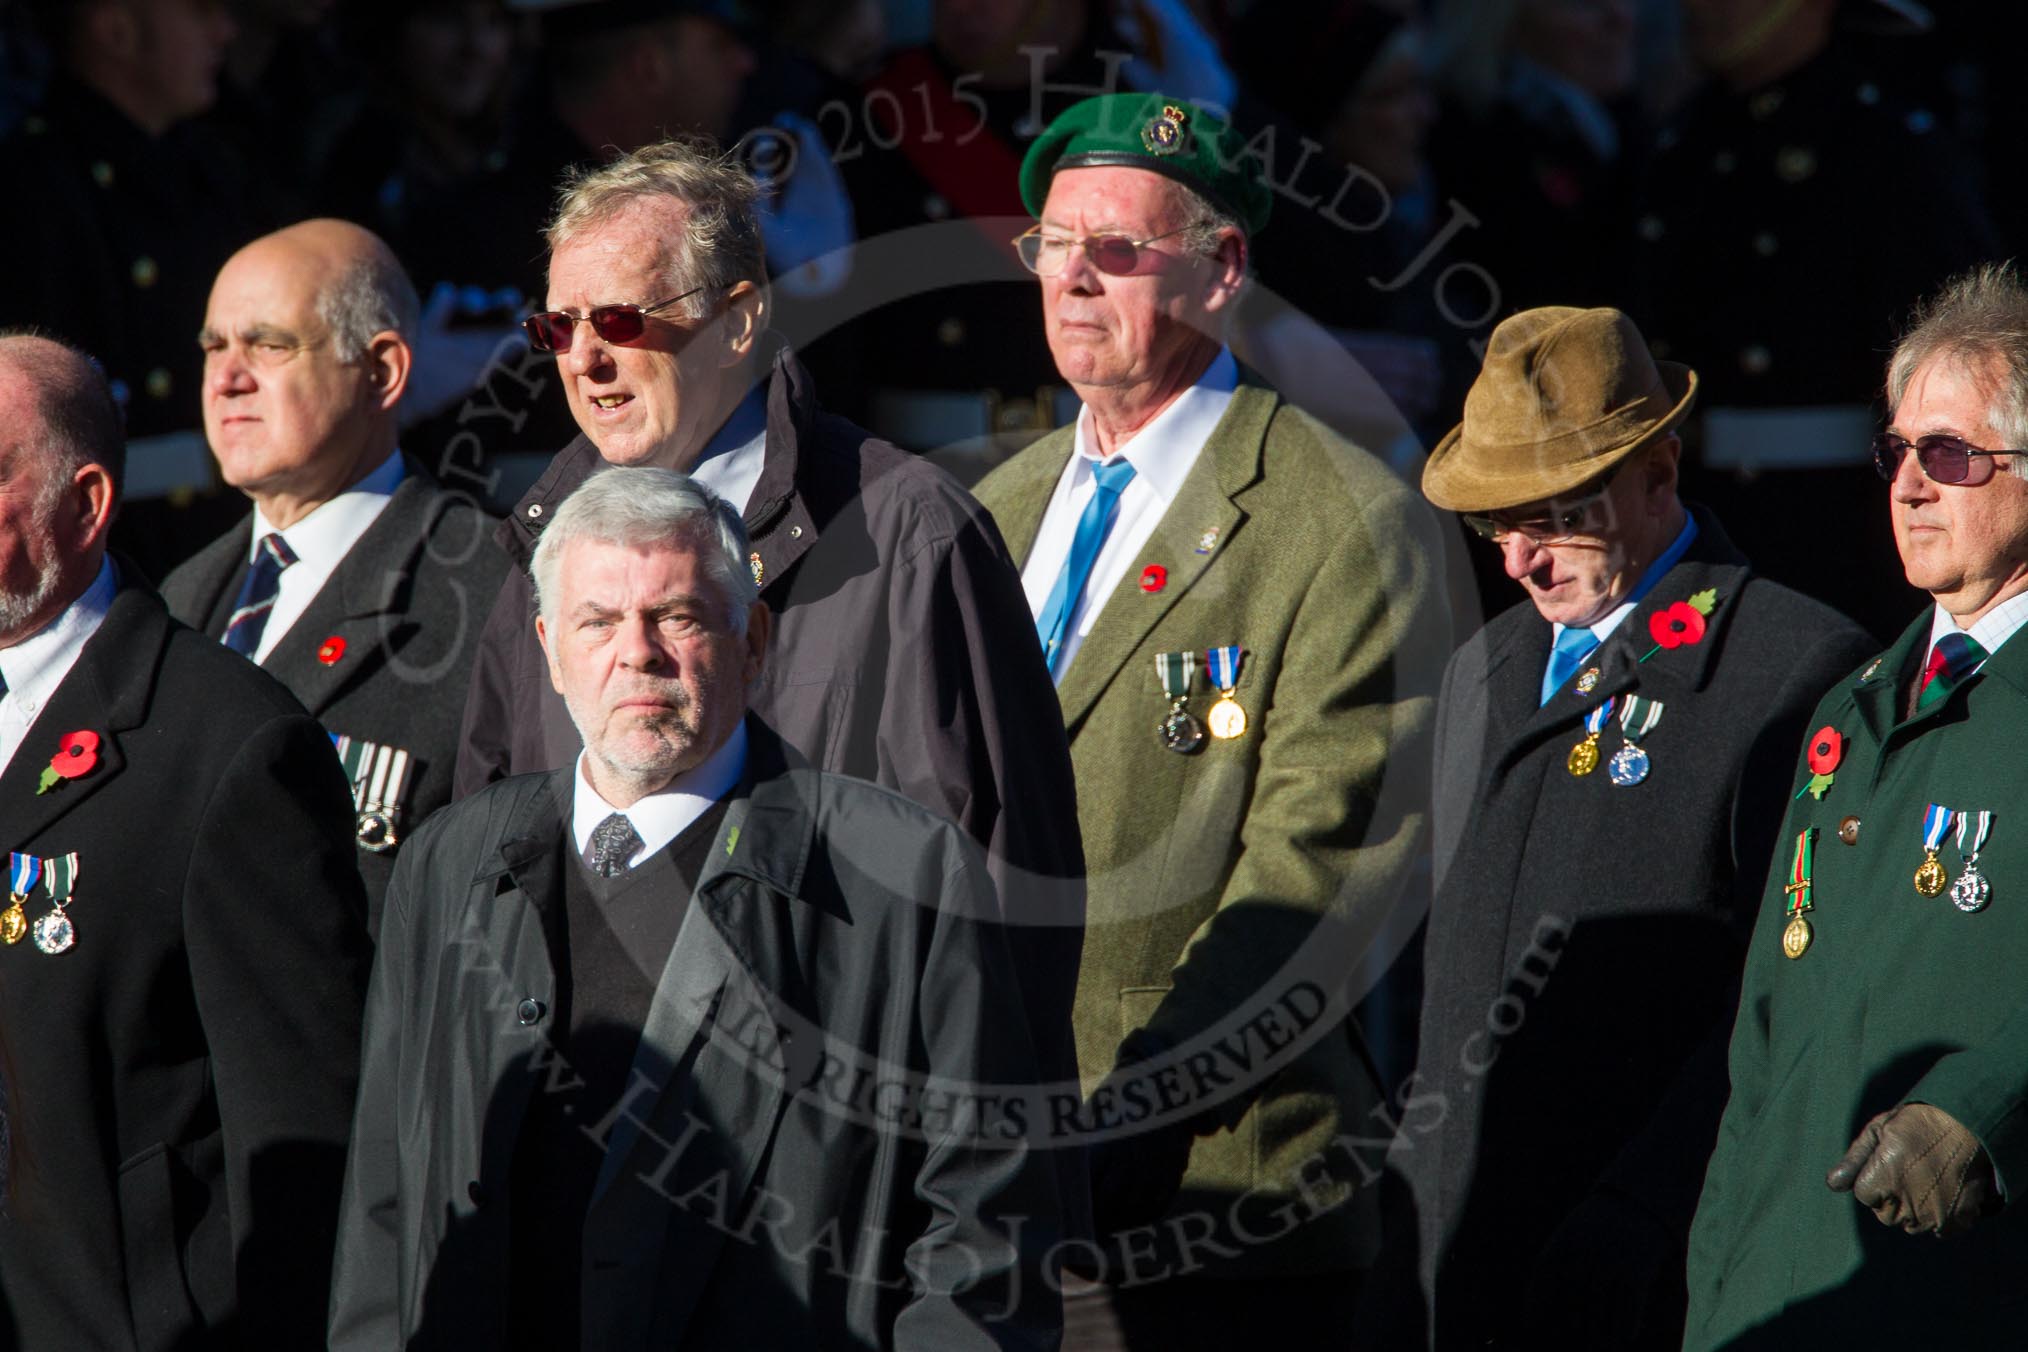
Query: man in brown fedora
1612	760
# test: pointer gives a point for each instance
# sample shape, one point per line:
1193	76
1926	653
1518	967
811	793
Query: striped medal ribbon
54	932
1930	876
24	872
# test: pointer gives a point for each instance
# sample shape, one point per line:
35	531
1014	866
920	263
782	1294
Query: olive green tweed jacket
1232	892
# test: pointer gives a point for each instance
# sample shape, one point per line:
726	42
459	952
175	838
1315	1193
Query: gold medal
1583	757
1796	938
14	921
1226	719
1931	878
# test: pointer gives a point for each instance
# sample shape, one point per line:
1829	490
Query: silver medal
54	933
1629	766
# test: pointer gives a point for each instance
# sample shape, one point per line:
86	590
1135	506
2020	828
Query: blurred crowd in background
1764	185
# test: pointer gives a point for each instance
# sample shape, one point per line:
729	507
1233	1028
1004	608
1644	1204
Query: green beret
1172	137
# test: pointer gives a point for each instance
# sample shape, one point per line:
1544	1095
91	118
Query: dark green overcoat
1898	998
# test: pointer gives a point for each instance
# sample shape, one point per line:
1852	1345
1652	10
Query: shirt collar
1163	451
661	816
35	666
730	464
1993	628
330	528
1653	574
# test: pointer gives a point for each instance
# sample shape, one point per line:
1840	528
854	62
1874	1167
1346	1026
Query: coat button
476	1193
534	510
1848	830
528	1011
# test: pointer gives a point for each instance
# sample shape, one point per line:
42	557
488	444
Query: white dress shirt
1994	627
36	666
1162	454
662	816
320	542
730	464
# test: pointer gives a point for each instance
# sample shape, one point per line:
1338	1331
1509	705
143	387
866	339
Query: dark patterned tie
613	842
257	595
1954	658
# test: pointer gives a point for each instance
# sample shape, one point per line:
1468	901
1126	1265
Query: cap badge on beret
1164	133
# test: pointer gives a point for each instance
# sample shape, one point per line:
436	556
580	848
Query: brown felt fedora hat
1563	396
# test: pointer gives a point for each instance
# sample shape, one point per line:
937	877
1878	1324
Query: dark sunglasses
1114	255
550	331
1945	459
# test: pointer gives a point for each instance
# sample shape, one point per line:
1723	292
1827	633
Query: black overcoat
1584	947
179	1084
781	1174
384	651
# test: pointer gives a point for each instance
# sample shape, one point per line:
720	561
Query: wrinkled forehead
1102	199
617	258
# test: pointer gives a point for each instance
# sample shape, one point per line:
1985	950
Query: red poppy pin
1826	749
1681	623
331	650
1154	577
77	753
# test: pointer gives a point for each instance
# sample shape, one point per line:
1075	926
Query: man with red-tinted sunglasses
901	651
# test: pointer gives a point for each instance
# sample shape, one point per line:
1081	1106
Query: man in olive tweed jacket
1234	875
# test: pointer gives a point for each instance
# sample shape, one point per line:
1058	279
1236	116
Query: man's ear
760	626
1225	271
388	360
542	636
745	318
90	503
1660	470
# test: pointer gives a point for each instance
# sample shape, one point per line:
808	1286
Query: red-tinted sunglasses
550	331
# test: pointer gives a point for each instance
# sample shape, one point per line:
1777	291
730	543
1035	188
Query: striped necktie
1956	656
257	594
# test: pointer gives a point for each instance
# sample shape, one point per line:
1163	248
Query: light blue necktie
1092	528
1573	645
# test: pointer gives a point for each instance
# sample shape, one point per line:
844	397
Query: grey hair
1208	224
371	296
720	242
643	505
1978	317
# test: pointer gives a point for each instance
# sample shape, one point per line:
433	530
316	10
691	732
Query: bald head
306	357
60	454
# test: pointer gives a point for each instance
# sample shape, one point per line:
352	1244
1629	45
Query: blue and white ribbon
1936	824
25	871
1595	721
1222	666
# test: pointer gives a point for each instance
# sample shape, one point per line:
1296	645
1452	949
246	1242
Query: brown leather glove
1919	1168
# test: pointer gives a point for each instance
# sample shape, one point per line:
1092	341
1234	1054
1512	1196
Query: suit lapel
209	584
105	692
360	605
1030	484
1208	498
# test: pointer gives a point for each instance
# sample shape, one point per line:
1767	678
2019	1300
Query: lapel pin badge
1154	577
1587	682
330	650
1208	541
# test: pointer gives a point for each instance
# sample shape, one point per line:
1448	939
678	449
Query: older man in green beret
1880	1061
1613	754
1238	610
